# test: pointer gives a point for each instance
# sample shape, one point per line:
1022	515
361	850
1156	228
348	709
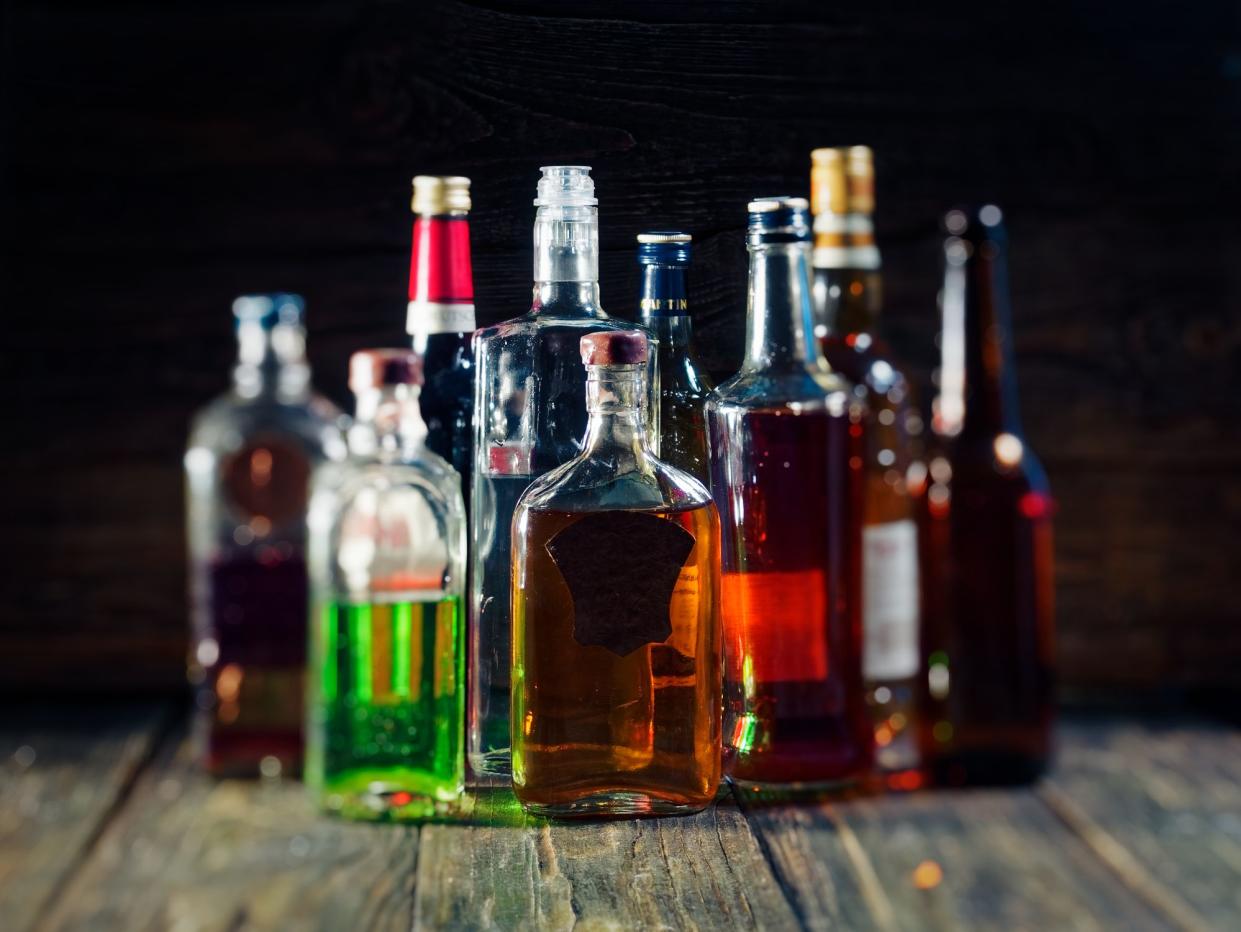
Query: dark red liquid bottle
988	627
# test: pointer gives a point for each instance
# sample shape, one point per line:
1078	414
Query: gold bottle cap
842	180
441	194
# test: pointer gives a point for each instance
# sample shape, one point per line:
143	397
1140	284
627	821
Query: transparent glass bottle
386	724
683	384
988	625
530	417
616	632
848	298
248	467
786	441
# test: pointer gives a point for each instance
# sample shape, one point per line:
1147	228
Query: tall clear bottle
386	732
616	602
441	316
786	441
248	467
683	385
848	299
988	626
529	417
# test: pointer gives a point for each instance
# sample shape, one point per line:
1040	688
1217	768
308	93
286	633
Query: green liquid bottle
386	716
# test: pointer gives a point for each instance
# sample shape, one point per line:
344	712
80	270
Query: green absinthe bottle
386	731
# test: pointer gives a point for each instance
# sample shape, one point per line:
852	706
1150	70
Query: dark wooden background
160	158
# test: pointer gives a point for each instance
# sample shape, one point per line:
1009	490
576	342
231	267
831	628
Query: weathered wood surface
1138	827
160	158
62	773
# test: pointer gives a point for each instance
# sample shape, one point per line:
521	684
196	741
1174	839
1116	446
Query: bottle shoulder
531	325
997	460
595	483
231	420
756	390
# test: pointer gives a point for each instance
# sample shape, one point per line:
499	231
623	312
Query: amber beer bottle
986	535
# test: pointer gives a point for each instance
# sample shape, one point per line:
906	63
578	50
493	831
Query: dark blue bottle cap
779	219
268	310
664	247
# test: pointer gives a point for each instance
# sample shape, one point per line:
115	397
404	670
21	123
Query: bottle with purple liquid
248	465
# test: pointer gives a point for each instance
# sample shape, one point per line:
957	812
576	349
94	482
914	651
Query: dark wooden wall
159	158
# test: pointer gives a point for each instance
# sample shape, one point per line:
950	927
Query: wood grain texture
1161	805
160	158
698	872
62	773
948	860
190	852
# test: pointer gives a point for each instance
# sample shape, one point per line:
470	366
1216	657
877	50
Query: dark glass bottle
616	616
786	440
683	386
248	467
987	548
848	301
441	316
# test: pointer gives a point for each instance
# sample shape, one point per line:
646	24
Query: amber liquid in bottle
988	587
786	441
595	723
848	301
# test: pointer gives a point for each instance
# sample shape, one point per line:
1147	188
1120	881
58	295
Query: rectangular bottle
441	316
530	417
616	625
683	385
786	436
386	732
988	626
248	467
848	301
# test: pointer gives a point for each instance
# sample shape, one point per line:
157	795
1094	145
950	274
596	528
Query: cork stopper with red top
614	348
375	368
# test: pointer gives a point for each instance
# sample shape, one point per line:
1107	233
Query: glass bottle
248	466
530	417
786	437
441	316
683	385
386	733
987	546
848	301
616	602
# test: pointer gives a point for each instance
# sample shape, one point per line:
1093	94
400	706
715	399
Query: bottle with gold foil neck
440	317
848	299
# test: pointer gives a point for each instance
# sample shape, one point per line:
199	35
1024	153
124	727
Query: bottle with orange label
386	724
248	467
786	438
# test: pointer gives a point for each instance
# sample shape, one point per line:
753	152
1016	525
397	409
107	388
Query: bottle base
389	796
986	768
492	764
766	792
613	806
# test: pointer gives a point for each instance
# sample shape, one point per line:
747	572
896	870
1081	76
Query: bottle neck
977	379
780	314
441	279
615	398
664	306
271	361
566	260
388	423
847	282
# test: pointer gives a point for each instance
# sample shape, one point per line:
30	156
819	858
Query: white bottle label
890	600
427	317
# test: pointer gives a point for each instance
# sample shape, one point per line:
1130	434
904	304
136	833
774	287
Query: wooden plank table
106	824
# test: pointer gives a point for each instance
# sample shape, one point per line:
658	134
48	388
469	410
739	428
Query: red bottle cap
614	348
375	368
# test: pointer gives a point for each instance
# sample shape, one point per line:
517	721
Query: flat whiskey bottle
248	467
530	417
786	439
848	301
683	384
386	732
440	316
987	546
616	617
